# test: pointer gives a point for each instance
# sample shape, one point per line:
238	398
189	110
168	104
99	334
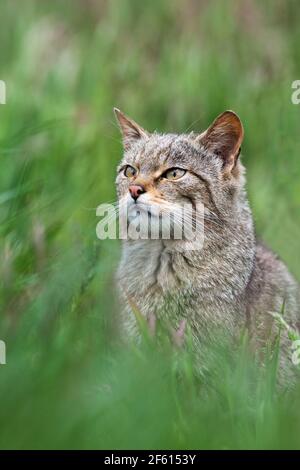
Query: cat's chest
146	267
154	280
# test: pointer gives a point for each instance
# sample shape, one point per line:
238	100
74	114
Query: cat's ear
131	131
224	138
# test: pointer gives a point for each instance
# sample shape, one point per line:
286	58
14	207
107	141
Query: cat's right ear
131	131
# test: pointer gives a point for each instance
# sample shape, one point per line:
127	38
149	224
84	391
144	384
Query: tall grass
69	382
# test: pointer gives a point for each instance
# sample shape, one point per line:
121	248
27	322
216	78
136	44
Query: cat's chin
143	215
145	221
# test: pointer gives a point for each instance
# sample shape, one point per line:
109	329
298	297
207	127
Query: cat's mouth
143	210
158	220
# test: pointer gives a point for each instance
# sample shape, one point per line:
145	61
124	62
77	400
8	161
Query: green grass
69	382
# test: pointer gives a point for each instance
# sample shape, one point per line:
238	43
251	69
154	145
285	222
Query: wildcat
233	282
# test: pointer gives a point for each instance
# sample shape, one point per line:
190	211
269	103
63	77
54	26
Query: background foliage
172	65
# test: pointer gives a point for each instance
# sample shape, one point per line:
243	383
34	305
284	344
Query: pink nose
136	190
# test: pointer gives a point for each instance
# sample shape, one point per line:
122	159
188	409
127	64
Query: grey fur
234	282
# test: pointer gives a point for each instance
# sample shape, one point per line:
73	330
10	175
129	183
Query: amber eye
129	171
174	173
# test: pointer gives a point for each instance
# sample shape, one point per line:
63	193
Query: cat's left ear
131	131
224	138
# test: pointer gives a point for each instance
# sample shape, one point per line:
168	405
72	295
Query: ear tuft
131	131
224	138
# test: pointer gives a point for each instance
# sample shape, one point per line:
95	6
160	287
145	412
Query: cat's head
169	170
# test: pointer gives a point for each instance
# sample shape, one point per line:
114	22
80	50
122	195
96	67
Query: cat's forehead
162	150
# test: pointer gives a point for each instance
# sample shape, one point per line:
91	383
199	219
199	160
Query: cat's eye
174	173
129	171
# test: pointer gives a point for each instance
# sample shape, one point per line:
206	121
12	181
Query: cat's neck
223	265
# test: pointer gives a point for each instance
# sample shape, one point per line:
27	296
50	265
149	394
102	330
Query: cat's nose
136	190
